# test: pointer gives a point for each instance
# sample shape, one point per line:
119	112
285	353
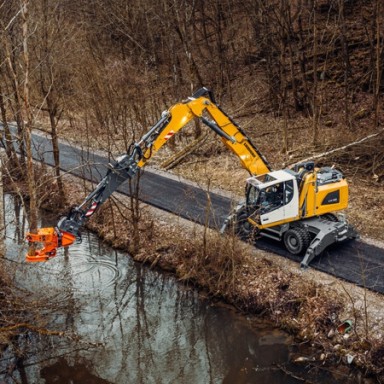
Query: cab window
288	194
273	197
253	195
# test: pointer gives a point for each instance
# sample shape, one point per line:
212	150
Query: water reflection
62	372
128	324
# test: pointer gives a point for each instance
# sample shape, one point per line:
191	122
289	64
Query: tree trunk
315	116
10	149
53	119
28	127
134	188
306	99
2	223
17	109
347	65
379	71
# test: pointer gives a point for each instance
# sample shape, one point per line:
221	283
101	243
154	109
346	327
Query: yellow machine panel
331	197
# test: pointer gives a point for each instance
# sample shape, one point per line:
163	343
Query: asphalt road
354	261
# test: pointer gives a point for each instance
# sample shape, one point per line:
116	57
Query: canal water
125	323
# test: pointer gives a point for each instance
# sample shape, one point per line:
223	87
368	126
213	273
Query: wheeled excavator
299	205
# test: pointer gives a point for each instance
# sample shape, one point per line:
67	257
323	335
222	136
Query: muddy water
125	323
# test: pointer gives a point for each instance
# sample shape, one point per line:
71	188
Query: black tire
296	241
307	238
243	228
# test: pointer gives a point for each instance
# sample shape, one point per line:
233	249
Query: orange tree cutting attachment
52	239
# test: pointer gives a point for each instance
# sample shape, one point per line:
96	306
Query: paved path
353	261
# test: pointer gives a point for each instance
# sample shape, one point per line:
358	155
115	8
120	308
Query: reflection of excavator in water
294	205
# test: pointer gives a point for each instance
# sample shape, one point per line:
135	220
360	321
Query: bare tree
315	114
7	138
379	60
50	28
29	122
346	64
10	37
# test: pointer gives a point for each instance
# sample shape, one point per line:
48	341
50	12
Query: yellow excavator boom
231	134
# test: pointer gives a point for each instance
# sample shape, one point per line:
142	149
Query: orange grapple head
51	238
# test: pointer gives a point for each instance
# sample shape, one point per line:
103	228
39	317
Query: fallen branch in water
291	374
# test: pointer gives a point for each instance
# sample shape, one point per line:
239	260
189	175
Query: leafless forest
107	68
302	77
102	71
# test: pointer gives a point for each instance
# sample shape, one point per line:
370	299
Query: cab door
279	202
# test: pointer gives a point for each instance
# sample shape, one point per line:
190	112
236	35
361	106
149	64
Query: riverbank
309	305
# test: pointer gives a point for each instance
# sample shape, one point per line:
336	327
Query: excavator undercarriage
308	237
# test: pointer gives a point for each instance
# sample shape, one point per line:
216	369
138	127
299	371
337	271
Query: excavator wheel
243	228
307	237
296	240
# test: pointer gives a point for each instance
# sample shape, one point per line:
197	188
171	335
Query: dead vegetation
21	312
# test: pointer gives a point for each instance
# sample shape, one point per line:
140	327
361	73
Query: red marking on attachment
91	210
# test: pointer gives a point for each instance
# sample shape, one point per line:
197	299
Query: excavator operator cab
272	197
